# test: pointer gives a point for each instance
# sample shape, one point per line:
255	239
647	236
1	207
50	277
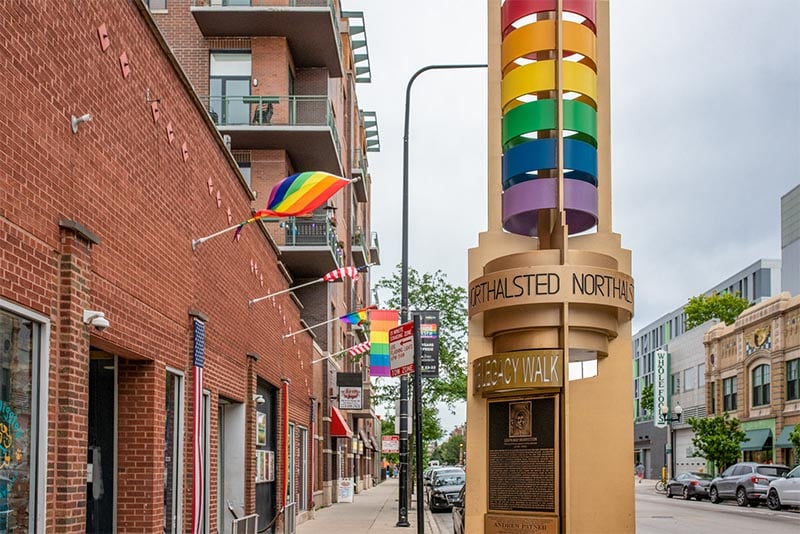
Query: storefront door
101	452
266	445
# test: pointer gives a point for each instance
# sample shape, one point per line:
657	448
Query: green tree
449	452
717	439
647	399
794	439
723	306
432	291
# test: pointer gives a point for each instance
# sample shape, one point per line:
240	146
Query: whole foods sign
660	391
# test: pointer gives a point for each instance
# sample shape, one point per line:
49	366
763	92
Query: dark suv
747	482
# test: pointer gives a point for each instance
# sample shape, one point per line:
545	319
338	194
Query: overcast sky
705	135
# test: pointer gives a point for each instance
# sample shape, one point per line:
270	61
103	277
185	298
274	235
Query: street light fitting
677	410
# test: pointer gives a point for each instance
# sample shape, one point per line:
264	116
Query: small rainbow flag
298	194
381	321
356	317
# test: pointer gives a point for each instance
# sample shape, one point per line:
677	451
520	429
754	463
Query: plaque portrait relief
520	421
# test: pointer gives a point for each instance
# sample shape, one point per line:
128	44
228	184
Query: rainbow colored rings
530	100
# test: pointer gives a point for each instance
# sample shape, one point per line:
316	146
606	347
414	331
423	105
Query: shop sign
660	391
525	369
390	444
345	492
350	391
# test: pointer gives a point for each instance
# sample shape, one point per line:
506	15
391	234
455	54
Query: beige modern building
550	286
753	373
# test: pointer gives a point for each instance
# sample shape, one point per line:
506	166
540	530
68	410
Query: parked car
458	511
445	490
690	485
784	492
438	471
747	482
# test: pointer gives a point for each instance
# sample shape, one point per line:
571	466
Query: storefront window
16	421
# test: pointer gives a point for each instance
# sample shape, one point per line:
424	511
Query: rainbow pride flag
381	321
356	317
298	194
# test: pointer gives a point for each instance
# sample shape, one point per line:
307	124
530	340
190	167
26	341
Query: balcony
311	247
358	42
359	248
374	249
310	26
304	126
359	170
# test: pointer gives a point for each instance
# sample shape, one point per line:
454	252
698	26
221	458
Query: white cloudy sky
705	135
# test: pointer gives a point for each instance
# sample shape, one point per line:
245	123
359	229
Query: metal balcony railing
374	245
315	230
271	110
359	162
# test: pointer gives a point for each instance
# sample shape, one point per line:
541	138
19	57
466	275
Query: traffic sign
401	349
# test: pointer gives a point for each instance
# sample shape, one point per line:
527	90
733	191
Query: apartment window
729	394
173	446
701	375
676	383
761	385
229	83
689	379
156	5
244	168
793	379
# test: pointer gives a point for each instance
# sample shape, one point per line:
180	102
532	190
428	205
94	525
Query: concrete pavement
373	511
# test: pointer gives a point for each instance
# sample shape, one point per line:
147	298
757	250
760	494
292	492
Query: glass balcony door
229	82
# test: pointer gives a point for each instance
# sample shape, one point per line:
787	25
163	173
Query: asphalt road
655	514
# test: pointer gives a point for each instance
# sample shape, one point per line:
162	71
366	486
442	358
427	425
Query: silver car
747	482
785	492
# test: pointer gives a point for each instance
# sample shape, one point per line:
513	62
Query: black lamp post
403	500
669	418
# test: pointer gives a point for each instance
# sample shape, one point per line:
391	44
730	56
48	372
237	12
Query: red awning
339	428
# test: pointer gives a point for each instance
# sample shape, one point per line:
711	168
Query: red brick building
99	215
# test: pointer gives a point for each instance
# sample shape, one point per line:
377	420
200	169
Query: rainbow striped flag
298	194
381	321
356	317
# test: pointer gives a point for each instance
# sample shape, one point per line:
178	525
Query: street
655	514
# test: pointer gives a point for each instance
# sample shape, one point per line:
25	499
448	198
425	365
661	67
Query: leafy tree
794	438
449	452
723	306
717	439
432	291
647	399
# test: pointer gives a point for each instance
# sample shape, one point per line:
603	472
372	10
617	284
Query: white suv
785	492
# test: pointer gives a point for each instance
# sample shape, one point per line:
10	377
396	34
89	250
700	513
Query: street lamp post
669	418
461	454
403	498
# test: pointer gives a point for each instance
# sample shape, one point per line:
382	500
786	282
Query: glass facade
17	358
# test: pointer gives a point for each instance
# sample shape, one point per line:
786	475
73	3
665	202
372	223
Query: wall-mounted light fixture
75	121
96	318
259	399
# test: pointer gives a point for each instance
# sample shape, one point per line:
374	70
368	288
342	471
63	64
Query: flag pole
331	356
259	299
291	334
200	241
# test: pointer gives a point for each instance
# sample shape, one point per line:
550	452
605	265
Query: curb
434	528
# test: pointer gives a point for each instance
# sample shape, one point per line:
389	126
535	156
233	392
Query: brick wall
123	179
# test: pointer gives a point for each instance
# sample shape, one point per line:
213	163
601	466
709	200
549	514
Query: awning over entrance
757	439
374	443
783	438
339	427
364	438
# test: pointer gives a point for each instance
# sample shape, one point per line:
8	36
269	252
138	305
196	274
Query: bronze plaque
516	524
523	369
522	455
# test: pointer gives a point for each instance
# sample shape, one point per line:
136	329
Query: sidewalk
373	511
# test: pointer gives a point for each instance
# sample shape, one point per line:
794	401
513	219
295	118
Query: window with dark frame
713	399
793	379
158	5
761	383
729	394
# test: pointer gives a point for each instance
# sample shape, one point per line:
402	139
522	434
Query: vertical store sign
660	391
350	390
429	343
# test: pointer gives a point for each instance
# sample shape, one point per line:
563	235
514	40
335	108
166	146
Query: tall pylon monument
550	286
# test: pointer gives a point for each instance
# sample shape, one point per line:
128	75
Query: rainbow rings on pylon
530	119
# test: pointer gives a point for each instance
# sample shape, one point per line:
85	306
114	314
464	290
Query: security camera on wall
96	318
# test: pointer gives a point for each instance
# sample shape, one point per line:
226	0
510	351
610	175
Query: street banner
401	349
660	387
390	444
429	342
350	390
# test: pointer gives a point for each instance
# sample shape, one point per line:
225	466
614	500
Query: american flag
344	272
361	348
198	485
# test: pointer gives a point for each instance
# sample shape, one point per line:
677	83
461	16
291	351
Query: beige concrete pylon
544	453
